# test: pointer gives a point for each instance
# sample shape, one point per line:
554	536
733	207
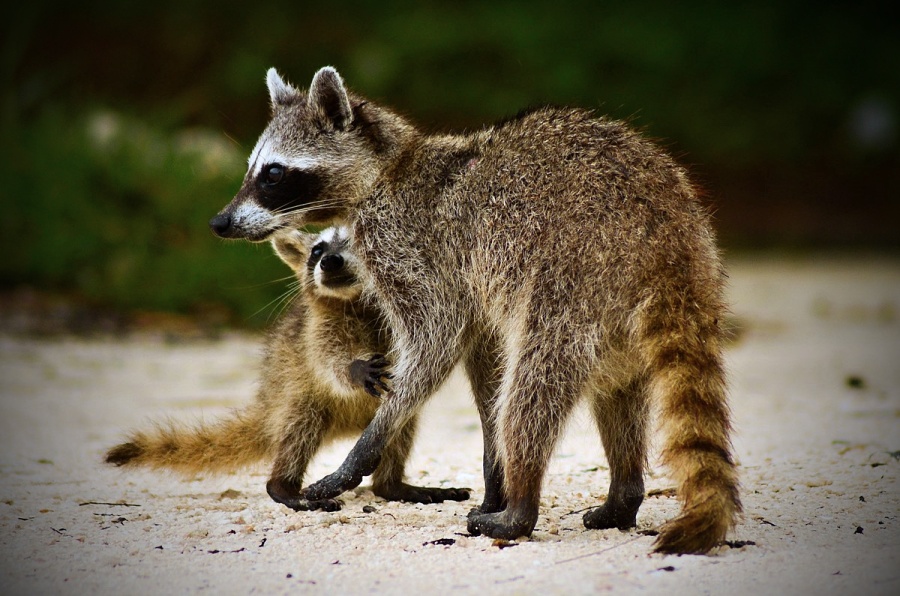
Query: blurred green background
125	126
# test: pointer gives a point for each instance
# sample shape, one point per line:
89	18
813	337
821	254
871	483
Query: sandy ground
815	389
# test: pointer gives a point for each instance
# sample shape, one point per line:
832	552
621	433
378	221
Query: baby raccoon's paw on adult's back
372	374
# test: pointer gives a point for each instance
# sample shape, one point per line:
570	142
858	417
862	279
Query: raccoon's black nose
331	263
220	224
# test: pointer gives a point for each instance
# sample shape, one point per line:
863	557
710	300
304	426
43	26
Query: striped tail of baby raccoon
682	343
223	446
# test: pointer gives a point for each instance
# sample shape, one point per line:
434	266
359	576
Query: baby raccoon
322	374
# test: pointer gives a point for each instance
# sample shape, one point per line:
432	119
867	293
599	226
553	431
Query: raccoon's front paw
330	486
288	494
421	494
372	374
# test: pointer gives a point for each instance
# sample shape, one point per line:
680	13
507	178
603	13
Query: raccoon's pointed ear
292	247
328	96
279	92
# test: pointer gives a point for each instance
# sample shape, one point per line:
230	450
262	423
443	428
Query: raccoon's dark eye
274	174
315	254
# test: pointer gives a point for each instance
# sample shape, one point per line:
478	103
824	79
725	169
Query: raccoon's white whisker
286	302
312	206
287	278
290	279
320	202
283	300
304	286
234	141
276	301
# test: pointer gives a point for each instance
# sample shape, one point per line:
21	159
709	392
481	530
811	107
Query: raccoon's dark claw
371	374
376	388
421	494
323	505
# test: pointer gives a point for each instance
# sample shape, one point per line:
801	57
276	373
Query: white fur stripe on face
265	153
251	216
327	235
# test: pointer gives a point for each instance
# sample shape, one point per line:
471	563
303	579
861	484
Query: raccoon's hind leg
387	480
621	417
302	434
540	389
483	368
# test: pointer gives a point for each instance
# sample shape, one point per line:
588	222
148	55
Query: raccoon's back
582	210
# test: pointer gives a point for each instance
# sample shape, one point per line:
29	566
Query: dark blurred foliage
787	113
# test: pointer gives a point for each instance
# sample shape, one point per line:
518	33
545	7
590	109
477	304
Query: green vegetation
115	210
116	118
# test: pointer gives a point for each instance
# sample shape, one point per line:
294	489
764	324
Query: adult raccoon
558	255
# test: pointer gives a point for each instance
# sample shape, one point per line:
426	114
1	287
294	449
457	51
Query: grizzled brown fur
558	255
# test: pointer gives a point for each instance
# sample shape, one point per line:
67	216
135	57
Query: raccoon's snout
220	225
331	263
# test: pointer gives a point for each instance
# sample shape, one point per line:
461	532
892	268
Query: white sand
820	481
